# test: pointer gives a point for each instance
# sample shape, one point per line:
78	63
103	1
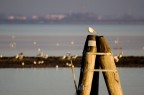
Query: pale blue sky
100	7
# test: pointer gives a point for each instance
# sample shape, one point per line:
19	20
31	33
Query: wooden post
95	82
88	64
82	67
107	63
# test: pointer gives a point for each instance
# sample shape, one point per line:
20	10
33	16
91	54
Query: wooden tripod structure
96	54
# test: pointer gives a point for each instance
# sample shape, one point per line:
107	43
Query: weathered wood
82	67
95	82
88	64
107	63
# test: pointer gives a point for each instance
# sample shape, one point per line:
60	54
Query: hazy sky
100	7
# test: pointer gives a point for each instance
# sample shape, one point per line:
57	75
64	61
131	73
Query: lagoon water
52	81
58	39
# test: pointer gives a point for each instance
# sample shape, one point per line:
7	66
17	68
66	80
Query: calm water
52	81
58	39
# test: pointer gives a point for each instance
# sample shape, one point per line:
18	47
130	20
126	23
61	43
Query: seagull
116	58
91	30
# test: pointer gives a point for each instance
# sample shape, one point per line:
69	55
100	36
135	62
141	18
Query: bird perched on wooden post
91	30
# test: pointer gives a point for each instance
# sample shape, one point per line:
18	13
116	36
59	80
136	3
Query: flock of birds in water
41	54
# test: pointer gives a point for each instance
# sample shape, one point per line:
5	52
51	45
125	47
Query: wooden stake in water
86	76
95	82
107	63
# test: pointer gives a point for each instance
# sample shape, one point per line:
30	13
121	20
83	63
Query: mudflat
58	61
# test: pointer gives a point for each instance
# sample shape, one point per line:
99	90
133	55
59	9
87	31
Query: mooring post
95	82
107	63
88	64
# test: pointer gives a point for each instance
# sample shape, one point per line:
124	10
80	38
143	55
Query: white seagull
91	30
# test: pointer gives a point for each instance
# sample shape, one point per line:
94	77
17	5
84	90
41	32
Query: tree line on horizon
68	18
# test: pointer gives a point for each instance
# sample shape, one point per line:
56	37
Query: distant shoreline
53	61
